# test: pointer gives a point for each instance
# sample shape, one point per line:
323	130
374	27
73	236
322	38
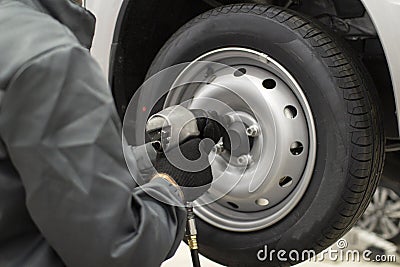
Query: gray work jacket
66	195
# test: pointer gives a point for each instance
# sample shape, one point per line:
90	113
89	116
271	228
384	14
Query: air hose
191	235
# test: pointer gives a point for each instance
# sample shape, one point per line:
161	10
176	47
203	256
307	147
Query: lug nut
219	148
262	202
244	160
253	131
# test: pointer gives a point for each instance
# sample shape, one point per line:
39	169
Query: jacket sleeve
63	135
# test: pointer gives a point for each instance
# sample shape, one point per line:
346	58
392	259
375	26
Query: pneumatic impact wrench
167	130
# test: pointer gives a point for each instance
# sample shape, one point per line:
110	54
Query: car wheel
382	215
321	133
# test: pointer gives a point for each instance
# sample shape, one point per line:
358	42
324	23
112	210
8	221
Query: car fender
107	14
385	15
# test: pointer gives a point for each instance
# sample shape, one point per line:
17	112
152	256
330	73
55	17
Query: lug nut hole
290	112
269	83
240	72
285	181
233	205
296	148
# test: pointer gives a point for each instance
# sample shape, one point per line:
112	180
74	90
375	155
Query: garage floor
356	239
182	259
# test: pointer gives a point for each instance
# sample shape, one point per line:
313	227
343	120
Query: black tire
350	136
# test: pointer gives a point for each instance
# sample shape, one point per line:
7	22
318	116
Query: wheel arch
138	37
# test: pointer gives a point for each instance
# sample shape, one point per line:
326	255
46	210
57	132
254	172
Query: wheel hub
238	143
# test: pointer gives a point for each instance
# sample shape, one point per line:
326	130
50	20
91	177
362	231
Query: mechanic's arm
63	135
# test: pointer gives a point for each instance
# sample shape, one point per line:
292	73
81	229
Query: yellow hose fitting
192	242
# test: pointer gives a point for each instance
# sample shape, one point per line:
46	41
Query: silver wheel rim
383	214
276	172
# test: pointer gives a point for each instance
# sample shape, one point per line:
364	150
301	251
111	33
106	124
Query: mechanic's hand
193	183
209	125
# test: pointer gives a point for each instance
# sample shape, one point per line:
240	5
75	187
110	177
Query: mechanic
66	195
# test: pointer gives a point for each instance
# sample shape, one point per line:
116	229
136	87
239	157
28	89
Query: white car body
385	15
